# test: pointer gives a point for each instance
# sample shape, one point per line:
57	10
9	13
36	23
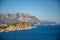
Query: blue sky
42	9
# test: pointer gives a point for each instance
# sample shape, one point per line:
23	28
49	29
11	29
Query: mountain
20	21
19	17
9	18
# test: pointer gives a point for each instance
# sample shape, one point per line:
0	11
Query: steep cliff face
17	26
18	21
19	17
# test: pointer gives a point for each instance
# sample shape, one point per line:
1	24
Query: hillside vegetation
17	26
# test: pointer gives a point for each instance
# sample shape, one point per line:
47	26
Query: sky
42	9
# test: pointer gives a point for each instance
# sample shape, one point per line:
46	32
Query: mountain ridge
20	21
19	17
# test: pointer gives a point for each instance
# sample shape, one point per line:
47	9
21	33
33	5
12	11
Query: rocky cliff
17	27
20	21
18	17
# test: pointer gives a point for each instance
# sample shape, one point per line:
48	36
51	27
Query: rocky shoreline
17	27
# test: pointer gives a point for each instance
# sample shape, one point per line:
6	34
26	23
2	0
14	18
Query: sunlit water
39	33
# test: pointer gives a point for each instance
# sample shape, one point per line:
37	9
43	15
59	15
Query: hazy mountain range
20	21
9	18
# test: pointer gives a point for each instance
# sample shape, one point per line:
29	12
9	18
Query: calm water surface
40	33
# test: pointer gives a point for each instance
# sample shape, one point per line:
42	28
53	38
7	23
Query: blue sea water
39	33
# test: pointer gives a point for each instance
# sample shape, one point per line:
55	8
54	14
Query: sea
42	32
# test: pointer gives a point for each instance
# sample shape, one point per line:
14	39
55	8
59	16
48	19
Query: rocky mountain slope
18	17
17	27
20	21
